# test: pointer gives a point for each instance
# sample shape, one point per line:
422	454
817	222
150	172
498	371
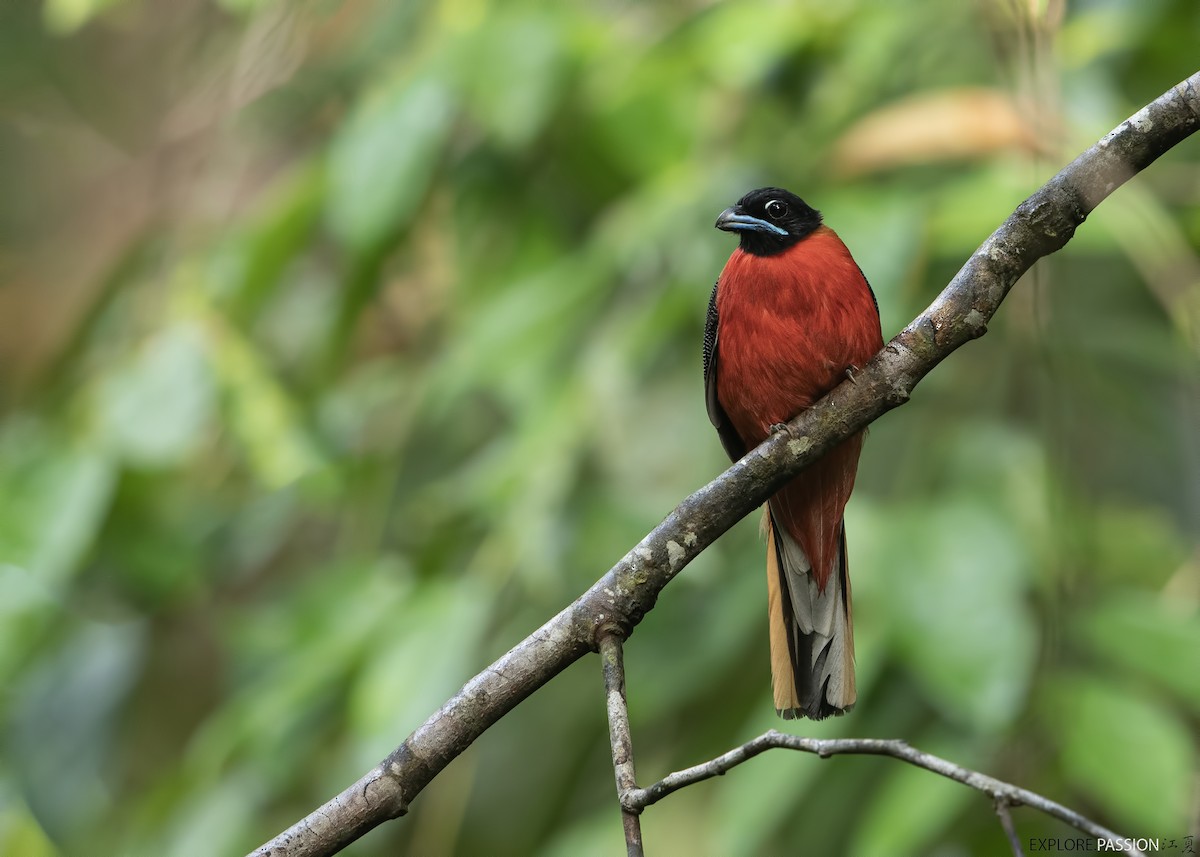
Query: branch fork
634	800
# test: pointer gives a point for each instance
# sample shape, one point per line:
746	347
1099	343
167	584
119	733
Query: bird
790	317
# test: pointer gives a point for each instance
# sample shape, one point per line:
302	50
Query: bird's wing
716	414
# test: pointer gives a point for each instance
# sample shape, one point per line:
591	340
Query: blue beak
733	219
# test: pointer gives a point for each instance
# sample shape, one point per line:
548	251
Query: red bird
790	317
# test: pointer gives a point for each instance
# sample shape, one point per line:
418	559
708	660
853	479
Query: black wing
716	414
874	299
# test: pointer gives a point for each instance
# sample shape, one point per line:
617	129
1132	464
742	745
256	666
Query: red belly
789	327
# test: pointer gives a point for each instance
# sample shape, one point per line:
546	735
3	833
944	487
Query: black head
769	220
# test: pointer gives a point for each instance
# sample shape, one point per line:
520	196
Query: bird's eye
776	209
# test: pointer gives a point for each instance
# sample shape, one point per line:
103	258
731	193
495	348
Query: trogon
791	316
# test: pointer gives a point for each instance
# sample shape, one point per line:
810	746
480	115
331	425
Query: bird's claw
776	428
852	373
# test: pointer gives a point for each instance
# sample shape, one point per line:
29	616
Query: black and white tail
812	632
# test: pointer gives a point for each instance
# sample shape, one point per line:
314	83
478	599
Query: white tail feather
815	627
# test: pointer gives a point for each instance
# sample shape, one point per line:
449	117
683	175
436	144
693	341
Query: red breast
790	326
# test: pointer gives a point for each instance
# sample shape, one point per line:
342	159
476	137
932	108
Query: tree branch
1002	794
619	736
1041	225
1010	830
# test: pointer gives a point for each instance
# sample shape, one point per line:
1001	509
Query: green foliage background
341	344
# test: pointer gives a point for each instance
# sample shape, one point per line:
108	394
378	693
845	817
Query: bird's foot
852	373
776	428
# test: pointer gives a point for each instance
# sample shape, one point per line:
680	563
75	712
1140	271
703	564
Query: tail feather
811	632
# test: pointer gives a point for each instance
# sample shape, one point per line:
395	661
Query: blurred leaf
968	210
155	410
933	126
1143	633
648	129
1134	547
58	737
20	833
1095	32
741	43
67	16
247	275
296	661
420	658
1144	229
215	821
953	580
55	498
513	68
667	672
509	343
880	228
381	162
1131	755
261	413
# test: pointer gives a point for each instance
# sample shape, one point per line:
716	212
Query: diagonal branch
1002	794
1041	225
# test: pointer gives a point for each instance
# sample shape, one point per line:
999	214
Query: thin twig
998	790
1010	829
1041	225
619	736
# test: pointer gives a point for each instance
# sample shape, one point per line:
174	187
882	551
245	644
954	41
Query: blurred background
343	343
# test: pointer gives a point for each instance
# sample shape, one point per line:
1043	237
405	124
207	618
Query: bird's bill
733	219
